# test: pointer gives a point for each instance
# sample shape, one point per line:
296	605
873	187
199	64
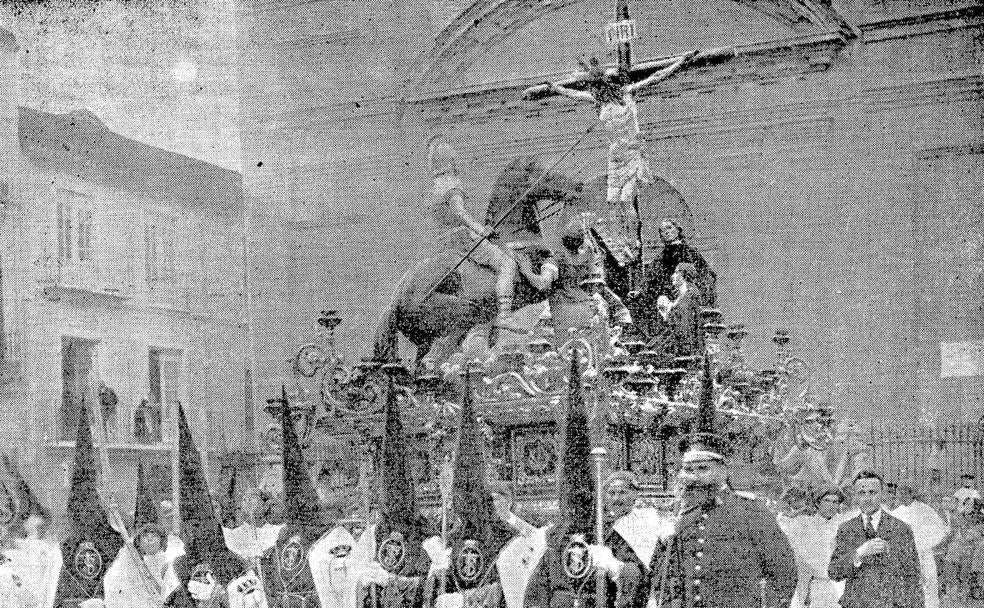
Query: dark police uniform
719	555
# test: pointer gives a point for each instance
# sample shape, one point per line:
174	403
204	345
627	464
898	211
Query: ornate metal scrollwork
518	395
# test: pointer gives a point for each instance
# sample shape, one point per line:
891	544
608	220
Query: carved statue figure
815	456
445	295
569	279
676	251
614	97
677	327
485	244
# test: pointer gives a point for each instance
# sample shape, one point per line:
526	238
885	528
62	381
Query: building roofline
79	144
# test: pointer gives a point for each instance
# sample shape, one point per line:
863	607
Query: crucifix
612	91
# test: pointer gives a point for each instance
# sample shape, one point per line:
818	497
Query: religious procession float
602	270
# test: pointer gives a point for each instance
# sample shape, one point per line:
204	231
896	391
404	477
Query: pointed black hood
287	571
200	526
92	544
402	528
576	495
480	534
704	441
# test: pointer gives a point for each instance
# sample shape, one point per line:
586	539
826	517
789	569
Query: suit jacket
881	581
718	556
686	326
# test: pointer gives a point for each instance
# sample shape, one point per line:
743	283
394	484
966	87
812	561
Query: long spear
505	214
113	511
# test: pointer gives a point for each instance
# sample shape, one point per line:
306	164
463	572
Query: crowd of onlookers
948	523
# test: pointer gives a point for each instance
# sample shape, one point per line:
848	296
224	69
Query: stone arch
484	24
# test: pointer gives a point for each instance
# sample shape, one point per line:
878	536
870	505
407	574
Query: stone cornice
916	24
756	63
486	23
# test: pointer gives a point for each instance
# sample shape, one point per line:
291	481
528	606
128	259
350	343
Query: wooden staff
113	512
601	577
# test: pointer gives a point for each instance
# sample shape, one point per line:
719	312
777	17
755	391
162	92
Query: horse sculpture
444	296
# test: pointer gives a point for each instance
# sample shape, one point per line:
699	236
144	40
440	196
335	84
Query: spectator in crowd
875	553
929	530
814	546
974	540
966	493
957	556
108	402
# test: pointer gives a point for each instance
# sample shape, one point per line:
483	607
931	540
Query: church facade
830	171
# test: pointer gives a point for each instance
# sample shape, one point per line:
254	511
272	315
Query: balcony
84	283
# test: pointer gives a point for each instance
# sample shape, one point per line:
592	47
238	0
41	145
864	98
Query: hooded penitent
576	495
145	515
92	544
564	578
287	571
704	443
205	548
402	530
480	534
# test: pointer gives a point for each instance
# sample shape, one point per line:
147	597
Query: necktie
869	528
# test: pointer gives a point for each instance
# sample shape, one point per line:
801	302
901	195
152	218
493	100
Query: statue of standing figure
613	95
661	291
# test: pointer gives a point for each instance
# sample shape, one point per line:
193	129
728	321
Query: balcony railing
85	279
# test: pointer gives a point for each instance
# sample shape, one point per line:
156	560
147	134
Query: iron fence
908	454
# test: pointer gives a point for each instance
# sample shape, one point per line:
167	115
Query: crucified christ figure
612	91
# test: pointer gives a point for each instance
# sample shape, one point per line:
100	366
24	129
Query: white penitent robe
516	562
251	542
337	561
36	564
643	529
128	585
13	593
812	538
929	530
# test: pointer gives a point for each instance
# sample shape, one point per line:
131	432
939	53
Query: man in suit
875	554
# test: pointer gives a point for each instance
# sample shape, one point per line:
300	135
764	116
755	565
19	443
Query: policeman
724	545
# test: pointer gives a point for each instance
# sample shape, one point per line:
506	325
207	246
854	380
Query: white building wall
198	316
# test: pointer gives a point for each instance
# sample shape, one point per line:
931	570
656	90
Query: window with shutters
165	382
160	250
75	228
